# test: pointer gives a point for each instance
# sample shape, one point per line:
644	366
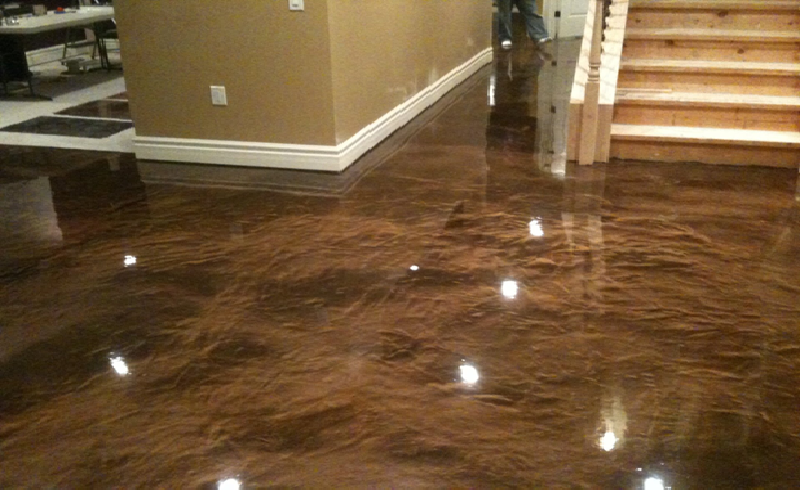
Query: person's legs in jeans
533	21
504	20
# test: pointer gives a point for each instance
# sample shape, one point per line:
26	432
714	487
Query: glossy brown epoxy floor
168	326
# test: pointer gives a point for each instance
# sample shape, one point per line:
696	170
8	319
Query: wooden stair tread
709	99
717	136
691	34
715	4
703	66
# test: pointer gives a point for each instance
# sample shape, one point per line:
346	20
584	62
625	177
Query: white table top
51	21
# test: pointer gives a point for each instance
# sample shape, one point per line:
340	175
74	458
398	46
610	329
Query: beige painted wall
275	65
313	77
386	51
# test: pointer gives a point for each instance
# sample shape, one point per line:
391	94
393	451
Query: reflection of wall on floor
27	213
117	189
105	197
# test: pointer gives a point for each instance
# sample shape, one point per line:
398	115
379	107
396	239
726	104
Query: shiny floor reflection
461	310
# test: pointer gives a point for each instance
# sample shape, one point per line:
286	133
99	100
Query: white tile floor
88	88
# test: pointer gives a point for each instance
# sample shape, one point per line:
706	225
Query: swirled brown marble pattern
459	310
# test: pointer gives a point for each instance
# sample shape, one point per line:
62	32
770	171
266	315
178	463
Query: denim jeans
534	23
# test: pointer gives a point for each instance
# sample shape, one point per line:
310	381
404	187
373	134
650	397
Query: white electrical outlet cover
297	5
218	96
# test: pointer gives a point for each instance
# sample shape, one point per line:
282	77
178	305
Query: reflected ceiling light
414	268
469	374
536	228
492	90
119	366
654	483
509	289
229	484
608	441
129	261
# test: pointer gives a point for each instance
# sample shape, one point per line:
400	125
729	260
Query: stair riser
711	51
700	82
706	117
716	19
657	151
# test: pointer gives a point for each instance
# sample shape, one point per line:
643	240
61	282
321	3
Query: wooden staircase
710	81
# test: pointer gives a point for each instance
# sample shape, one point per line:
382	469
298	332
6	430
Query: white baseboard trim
306	157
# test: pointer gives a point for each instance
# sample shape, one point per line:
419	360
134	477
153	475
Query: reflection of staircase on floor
712	81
